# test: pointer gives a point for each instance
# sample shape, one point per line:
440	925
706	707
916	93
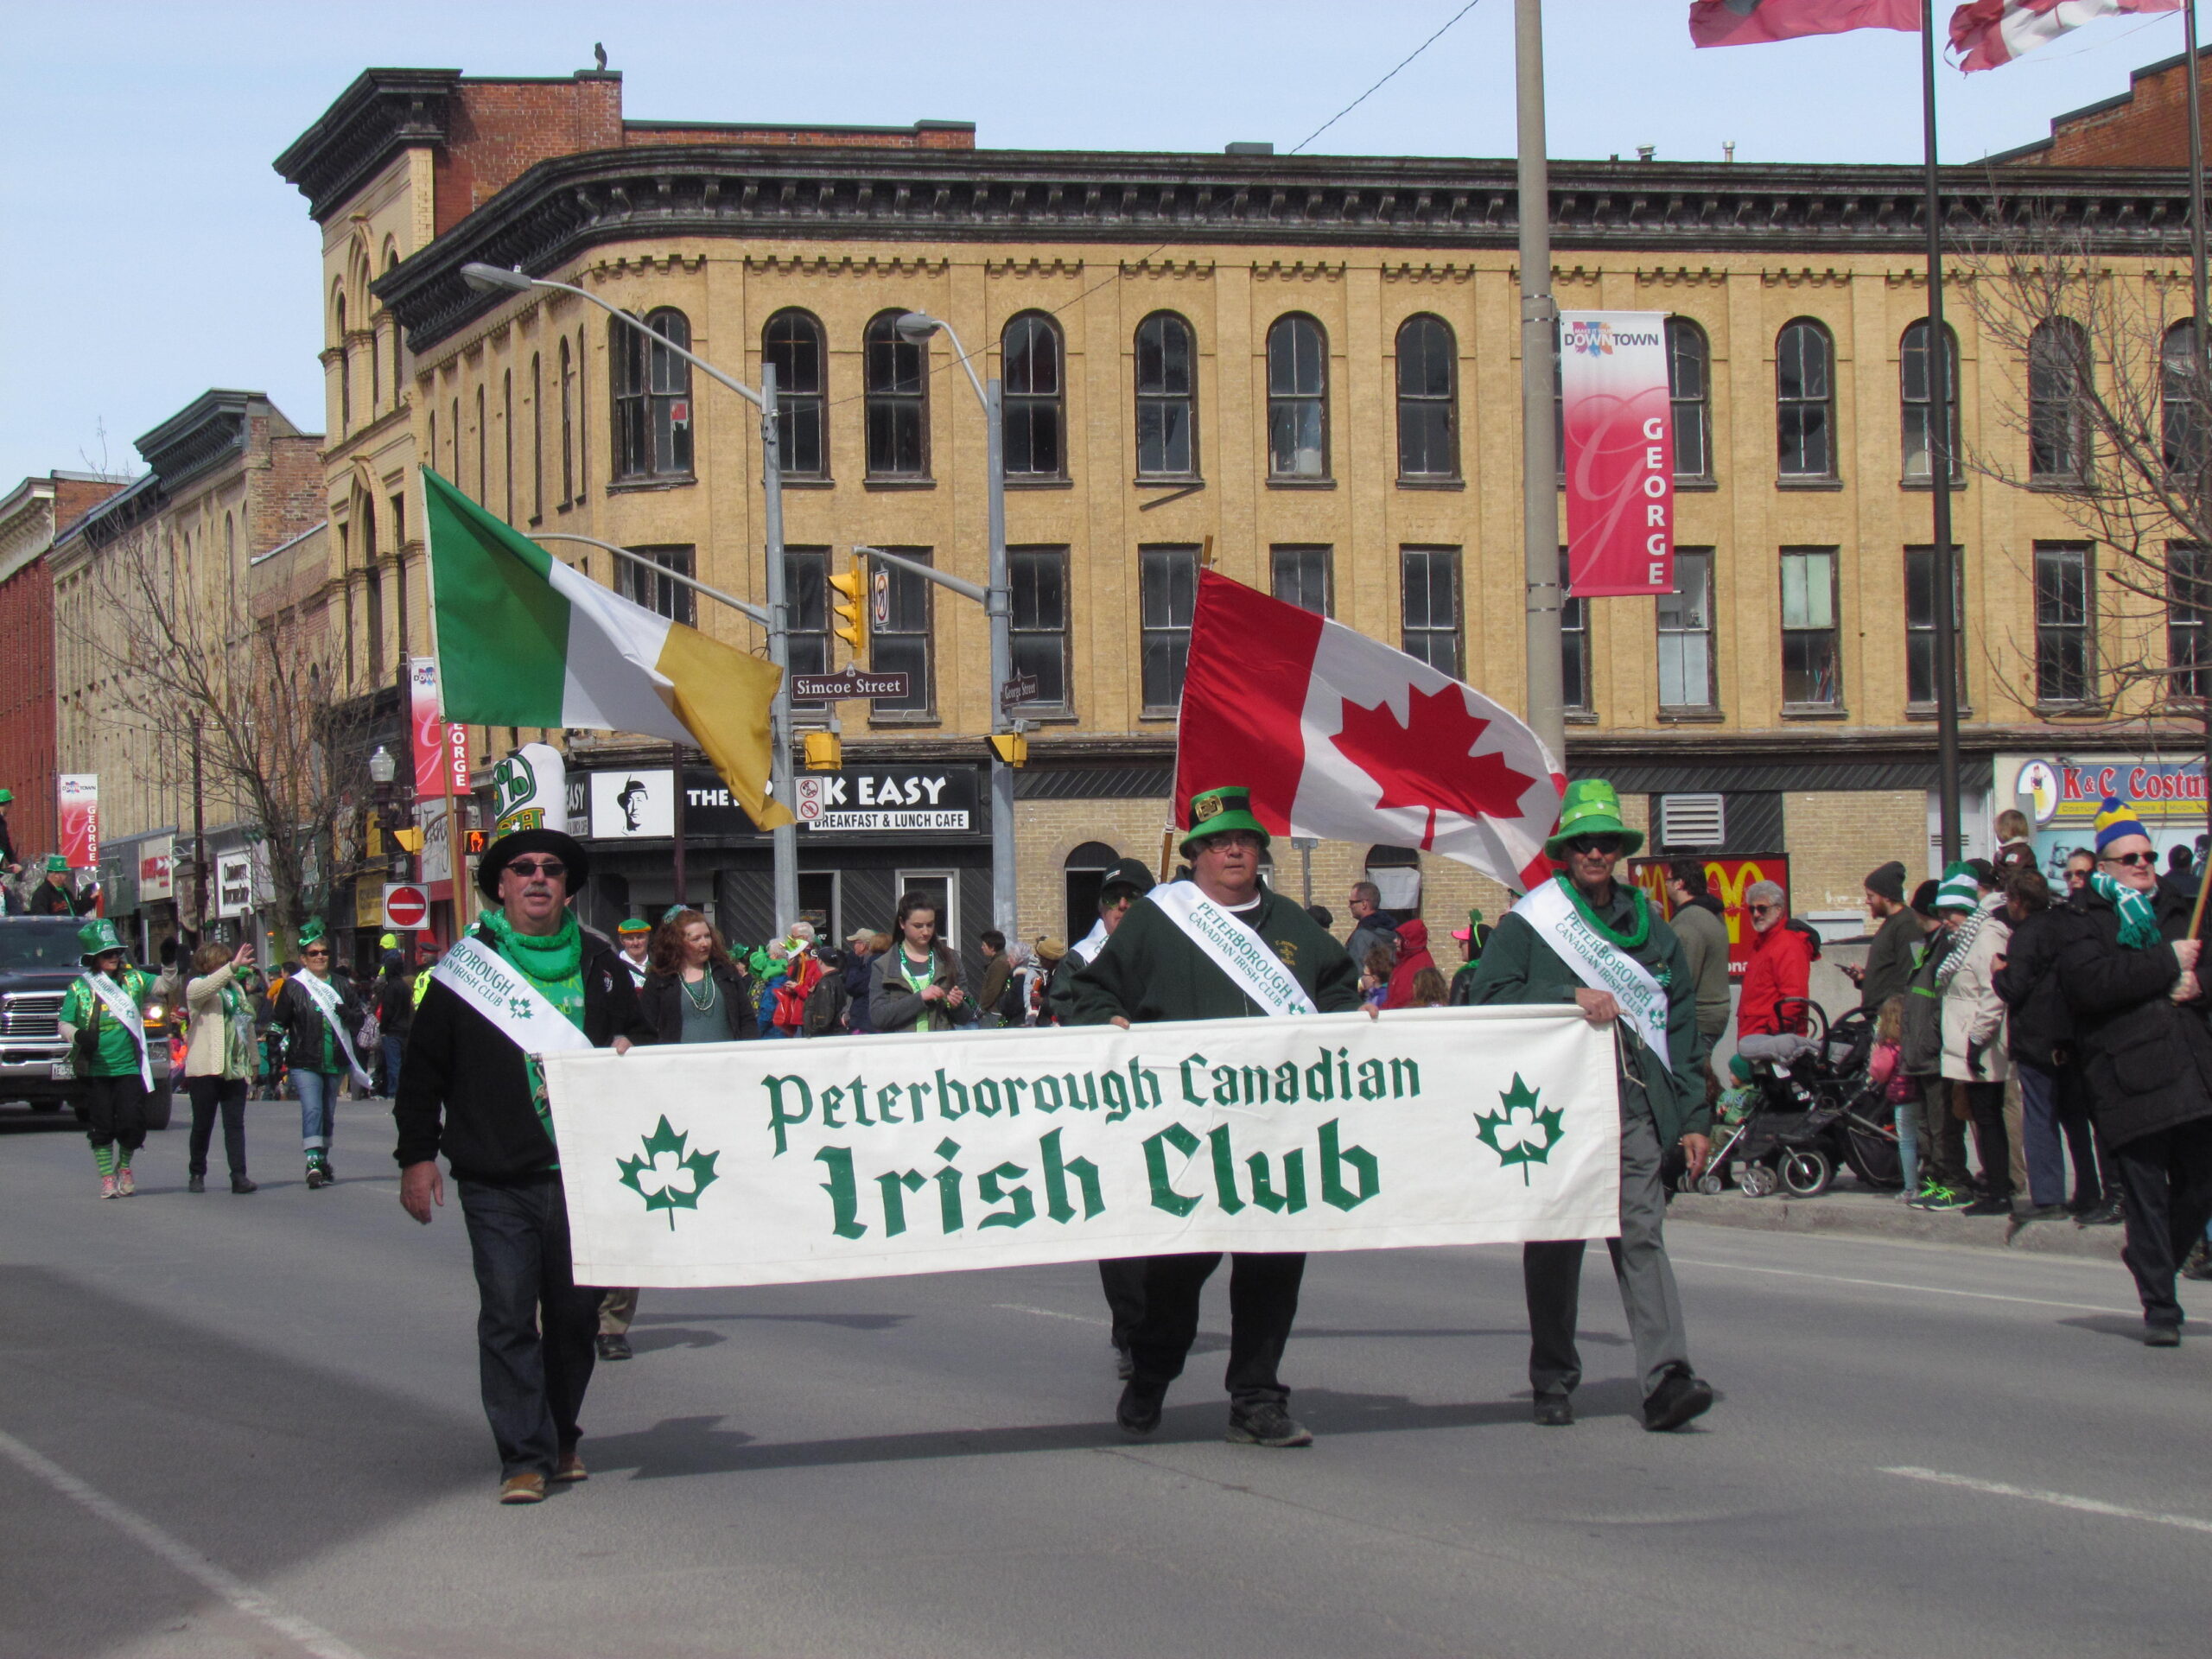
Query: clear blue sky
152	252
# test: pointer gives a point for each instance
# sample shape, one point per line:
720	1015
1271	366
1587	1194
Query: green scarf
2138	922
1638	935
554	963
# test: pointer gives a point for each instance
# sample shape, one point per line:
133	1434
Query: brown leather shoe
523	1489
570	1470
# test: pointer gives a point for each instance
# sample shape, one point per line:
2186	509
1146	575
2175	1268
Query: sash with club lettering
1233	947
118	1003
493	986
325	998
1599	963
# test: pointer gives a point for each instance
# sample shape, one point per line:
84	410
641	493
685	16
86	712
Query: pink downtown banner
1619	460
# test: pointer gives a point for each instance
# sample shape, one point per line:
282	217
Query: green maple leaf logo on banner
667	1178
1520	1133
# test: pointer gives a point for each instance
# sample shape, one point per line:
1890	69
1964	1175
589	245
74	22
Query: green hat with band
1217	811
311	931
98	937
1591	808
633	925
56	864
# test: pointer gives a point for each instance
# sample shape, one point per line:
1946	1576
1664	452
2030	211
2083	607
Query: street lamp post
783	840
918	326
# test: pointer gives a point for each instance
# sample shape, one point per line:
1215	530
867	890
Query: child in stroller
1791	1124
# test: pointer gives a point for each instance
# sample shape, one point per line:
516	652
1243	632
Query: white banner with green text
780	1161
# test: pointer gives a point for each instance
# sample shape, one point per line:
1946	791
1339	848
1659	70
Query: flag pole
2196	275
1939	394
1539	356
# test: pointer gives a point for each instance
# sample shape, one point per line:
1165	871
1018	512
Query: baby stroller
1794	1124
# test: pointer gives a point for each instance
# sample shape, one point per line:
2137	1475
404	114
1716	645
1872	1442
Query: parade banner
1619	461
80	794
778	1163
440	751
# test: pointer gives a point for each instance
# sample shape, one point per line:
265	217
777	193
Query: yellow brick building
1311	362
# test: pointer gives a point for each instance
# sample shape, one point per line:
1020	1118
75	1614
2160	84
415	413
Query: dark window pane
895	374
902	643
1686	633
2183	426
1168	579
1297	355
1802	409
1686	381
656	594
1030	398
1302	577
793	344
1574	644
1429	606
1165	385
1039	619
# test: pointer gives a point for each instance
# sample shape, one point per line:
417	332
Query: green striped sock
103	1159
122	1159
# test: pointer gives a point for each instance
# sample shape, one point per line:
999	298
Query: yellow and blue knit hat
2115	820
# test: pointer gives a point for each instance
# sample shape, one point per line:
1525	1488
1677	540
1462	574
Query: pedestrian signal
1012	747
472	841
851	607
824	752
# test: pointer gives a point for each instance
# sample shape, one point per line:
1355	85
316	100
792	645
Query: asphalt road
249	1426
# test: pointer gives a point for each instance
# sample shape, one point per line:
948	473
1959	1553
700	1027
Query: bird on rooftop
599	52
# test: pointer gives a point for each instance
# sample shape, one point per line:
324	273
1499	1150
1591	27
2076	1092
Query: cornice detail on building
383	113
1681	277
1429	271
562	208
1805	276
1034	265
1297	271
845	264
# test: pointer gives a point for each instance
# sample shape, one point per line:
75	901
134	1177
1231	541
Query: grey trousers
1552	1274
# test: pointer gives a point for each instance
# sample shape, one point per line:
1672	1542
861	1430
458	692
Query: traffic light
824	752
1012	747
851	606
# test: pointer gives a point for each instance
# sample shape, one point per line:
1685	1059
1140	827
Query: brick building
2147	126
31	516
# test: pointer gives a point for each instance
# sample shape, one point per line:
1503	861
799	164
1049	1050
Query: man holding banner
526	982
1582	937
1219	946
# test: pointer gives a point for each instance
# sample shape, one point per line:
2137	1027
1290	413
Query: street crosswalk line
2059	1500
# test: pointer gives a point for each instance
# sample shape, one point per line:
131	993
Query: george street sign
852	682
1021	689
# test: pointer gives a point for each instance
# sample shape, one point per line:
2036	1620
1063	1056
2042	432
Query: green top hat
56	864
1216	812
98	937
6	796
634	924
311	931
1591	809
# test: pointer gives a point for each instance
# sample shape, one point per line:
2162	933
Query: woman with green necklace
916	985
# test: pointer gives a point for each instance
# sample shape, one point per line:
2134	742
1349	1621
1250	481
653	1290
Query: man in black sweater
469	1089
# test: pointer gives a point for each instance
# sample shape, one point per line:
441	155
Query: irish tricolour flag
1338	735
522	641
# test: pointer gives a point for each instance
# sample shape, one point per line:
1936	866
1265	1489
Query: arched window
583	417
376	372
652	396
567	432
508	440
1805	400
1917	394
1298	399
457	482
537	439
793	342
895	373
2182	398
1033	417
1167	399
2058	376
1688	382
1428	435
1083	871
483	452
345	374
398	379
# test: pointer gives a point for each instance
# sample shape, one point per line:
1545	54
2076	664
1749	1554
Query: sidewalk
1869	1215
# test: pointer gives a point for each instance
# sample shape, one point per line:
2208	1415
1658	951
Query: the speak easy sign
770	1163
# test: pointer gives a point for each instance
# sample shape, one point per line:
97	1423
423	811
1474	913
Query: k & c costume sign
770	1163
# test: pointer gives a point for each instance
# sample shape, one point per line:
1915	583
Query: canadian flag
1338	735
1987	32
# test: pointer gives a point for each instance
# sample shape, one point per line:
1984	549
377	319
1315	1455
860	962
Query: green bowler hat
56	864
1591	809
1216	812
98	937
633	925
6	796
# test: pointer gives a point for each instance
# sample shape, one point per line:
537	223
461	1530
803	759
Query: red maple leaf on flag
1430	760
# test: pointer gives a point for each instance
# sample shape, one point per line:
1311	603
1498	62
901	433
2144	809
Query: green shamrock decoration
518	1007
664	1141
1520	1133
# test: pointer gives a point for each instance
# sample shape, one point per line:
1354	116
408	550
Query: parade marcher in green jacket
1662	1101
52	896
107	1007
1151	968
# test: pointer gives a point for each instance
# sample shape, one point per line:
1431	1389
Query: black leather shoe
613	1347
1554	1410
2162	1336
195	1184
240	1186
1679	1396
1139	1410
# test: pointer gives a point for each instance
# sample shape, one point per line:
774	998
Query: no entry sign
405	905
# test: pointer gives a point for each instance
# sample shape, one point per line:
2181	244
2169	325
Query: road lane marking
2058	1500
1050	1313
1885	1284
178	1554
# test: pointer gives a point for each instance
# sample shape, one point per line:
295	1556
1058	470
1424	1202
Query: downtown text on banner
773	1163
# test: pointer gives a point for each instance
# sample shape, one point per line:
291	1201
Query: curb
1866	1215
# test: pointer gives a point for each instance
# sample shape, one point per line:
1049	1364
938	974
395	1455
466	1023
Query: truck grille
31	1013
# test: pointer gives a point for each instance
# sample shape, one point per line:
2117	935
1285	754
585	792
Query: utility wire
1386	79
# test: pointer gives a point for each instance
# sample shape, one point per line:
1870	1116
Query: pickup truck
38	959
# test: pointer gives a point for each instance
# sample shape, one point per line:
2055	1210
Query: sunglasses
548	868
1763	909
1595	844
315	950
2133	859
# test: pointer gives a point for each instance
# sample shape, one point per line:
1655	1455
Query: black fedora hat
507	848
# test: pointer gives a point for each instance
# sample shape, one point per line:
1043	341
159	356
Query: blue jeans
393	1048
534	1323
318	1107
1907	1121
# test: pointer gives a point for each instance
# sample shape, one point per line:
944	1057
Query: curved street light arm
493	274
752	612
